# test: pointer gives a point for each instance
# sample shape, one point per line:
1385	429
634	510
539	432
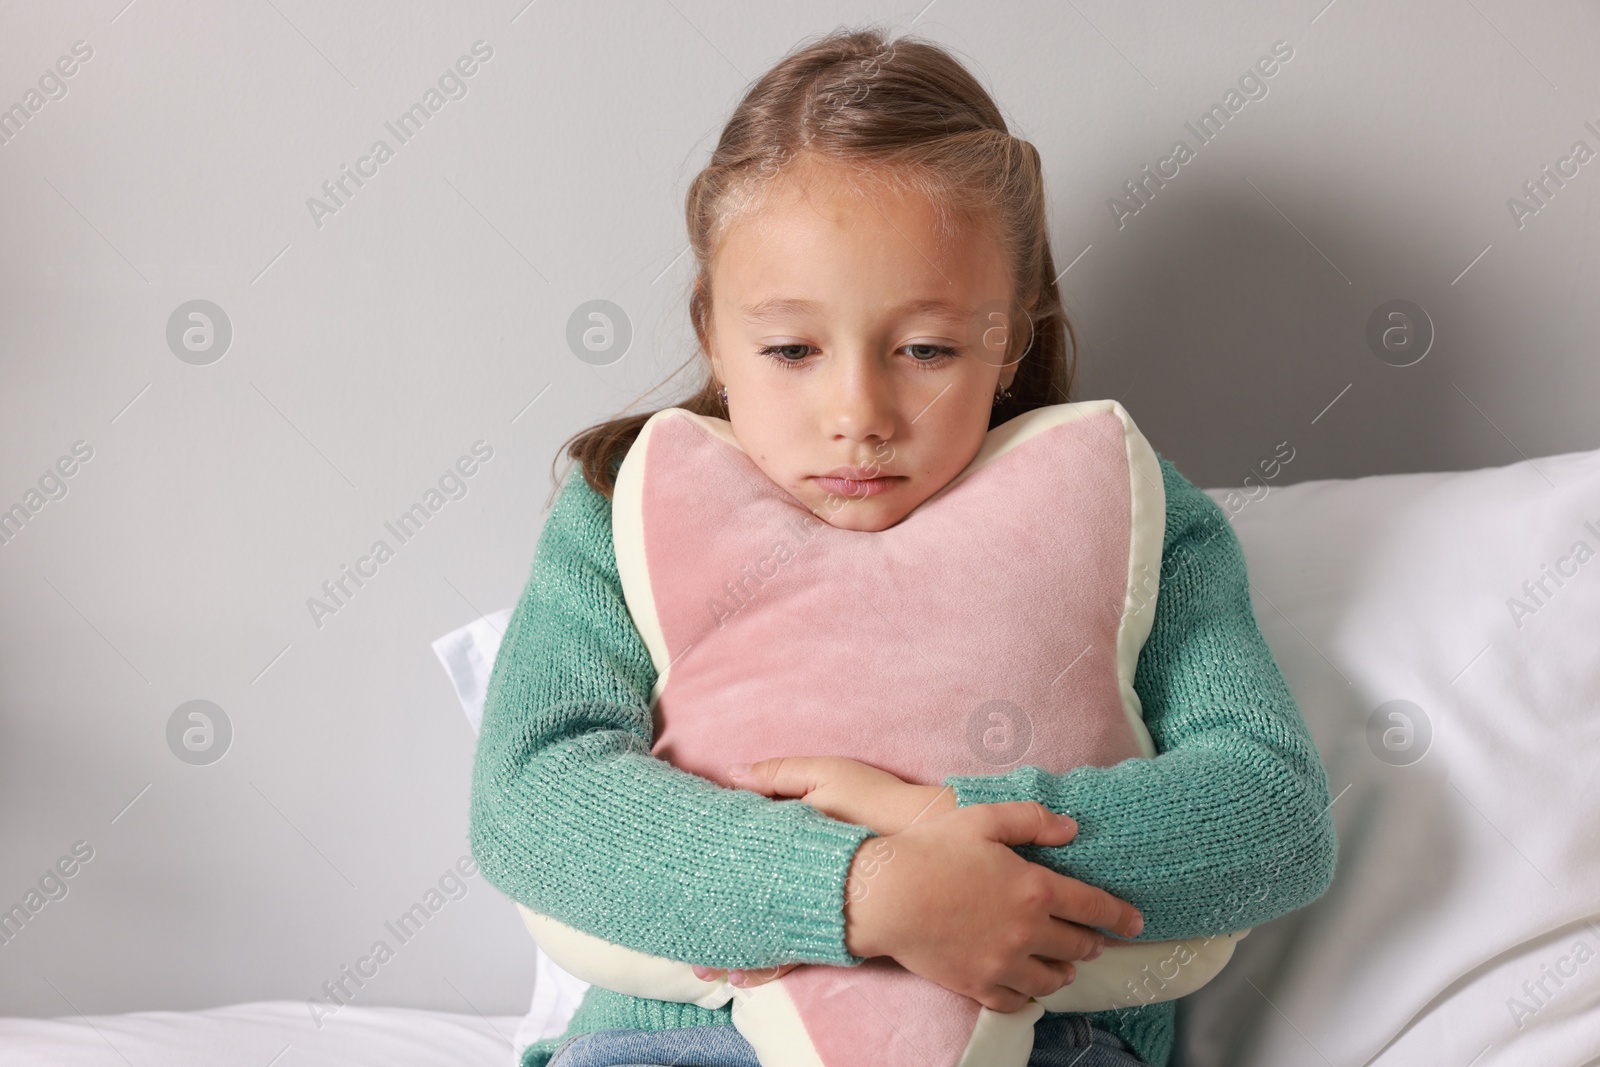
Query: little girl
864	233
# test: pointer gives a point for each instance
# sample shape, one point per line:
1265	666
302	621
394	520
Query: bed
1441	632
276	1033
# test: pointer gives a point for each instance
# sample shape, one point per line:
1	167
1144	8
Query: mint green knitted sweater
1226	828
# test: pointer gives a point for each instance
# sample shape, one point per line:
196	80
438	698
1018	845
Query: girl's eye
932	355
777	353
924	355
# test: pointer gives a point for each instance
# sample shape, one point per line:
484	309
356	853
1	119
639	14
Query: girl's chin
864	516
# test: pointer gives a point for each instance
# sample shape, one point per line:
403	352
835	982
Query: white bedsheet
274	1033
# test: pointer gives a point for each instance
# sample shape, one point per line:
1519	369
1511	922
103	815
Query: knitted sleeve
572	816
1229	825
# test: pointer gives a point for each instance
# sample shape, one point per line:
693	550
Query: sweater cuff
811	917
1024	783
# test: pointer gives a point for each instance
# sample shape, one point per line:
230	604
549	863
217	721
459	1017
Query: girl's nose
861	403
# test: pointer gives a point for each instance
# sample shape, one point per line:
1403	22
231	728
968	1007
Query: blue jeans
1062	1041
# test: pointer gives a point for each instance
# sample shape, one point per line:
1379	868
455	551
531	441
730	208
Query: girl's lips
862	487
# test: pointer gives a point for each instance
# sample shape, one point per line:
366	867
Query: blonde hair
905	113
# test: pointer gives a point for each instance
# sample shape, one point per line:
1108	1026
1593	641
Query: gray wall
372	347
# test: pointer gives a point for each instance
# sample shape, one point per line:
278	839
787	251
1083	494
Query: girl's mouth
859	487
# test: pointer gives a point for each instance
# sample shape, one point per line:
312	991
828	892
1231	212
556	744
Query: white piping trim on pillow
1147	495
622	969
627	538
766	1017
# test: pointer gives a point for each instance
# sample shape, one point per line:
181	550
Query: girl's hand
847	790
745	979
948	899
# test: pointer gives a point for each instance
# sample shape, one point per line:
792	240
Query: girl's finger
785	776
745	978
760	976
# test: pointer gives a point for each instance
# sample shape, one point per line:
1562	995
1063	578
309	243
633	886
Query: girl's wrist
919	803
863	896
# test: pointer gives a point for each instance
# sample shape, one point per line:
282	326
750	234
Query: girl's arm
572	816
1229	825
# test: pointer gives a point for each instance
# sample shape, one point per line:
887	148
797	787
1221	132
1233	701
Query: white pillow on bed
467	653
468	656
1464	920
1476	868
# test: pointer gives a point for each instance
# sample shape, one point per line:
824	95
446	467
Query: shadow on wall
1243	349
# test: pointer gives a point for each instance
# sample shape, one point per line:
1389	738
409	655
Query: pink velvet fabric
976	635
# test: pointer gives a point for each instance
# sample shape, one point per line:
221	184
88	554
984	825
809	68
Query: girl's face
850	335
